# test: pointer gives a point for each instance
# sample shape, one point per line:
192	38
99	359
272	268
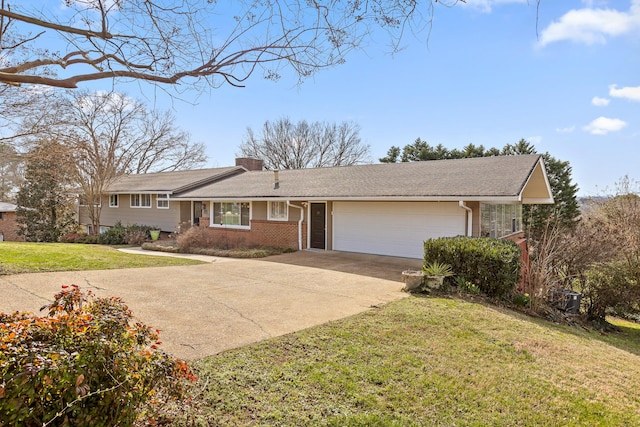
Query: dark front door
318	220
197	212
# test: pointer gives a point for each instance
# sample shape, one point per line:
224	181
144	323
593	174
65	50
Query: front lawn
16	257
425	361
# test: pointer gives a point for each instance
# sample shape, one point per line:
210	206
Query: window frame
113	197
271	217
140	198
162	198
498	220
218	206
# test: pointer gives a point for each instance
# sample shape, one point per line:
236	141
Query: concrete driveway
205	309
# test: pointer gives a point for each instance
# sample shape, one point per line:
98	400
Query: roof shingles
479	177
169	182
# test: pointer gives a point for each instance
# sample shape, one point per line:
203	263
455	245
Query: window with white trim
162	201
140	200
113	200
500	220
231	214
278	211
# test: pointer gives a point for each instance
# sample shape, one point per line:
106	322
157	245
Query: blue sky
488	75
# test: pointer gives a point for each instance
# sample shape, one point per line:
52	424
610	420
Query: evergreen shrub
493	265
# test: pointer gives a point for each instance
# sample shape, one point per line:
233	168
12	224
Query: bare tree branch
196	42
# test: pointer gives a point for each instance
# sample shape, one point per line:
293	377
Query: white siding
394	228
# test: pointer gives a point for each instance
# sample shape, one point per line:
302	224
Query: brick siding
280	234
9	227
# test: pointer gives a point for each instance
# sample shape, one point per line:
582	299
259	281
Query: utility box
569	301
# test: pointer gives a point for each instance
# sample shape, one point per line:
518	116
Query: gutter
469	217
299	223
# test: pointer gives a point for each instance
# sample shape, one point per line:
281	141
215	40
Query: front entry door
318	221
197	212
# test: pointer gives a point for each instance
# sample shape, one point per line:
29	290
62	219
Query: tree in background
106	135
10	172
285	145
45	206
110	134
565	211
191	41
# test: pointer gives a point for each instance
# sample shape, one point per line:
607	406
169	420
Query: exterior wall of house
166	219
9	227
265	232
281	234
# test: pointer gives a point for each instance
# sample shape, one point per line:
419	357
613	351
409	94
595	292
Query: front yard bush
492	265
204	237
85	363
612	288
132	234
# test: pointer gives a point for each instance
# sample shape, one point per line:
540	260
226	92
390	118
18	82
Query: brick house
8	224
386	209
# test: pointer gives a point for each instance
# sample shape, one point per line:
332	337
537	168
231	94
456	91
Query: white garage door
394	228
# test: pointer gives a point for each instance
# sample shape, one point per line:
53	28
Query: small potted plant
154	233
434	274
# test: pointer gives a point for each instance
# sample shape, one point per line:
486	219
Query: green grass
38	257
425	361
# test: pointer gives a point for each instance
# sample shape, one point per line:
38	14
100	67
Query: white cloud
604	125
592	26
487	5
568	129
537	139
600	102
628	92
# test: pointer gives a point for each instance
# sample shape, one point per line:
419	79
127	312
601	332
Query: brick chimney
250	164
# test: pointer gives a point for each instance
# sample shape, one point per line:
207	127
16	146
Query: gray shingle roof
170	182
485	177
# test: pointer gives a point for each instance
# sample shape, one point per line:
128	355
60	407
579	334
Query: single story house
386	209
8	224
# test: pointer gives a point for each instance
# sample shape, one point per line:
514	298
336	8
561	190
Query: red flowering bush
85	363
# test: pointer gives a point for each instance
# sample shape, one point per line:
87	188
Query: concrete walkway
205	309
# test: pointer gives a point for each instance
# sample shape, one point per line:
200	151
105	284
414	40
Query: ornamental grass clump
87	362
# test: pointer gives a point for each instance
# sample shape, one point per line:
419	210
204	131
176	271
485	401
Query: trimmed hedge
493	265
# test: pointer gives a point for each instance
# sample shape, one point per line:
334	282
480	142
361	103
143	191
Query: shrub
136	238
132	234
491	264
203	237
73	237
114	235
85	363
90	240
612	288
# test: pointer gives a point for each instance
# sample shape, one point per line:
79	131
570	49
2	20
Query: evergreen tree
44	210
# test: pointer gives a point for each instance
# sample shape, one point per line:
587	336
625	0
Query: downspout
299	223
469	217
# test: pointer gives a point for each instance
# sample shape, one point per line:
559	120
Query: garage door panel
396	229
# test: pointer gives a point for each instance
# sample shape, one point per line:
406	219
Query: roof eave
513	199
